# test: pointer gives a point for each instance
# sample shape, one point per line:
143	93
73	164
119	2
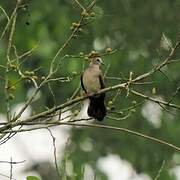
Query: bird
91	82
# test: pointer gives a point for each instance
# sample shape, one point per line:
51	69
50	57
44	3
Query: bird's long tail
97	108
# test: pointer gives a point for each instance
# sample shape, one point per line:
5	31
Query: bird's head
96	61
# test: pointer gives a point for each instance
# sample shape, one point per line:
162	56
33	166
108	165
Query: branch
119	129
51	70
55	156
13	162
158	67
172	146
167	103
80	5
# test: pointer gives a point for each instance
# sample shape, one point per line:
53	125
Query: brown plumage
91	82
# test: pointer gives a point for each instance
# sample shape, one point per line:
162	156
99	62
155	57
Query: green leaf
166	42
99	12
32	178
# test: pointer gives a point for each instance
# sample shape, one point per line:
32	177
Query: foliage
142	35
32	178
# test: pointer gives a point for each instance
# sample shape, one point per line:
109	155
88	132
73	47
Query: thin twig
11	170
10	19
80	5
12	162
155	100
75	92
170	145
160	171
55	156
6	176
3	10
8	63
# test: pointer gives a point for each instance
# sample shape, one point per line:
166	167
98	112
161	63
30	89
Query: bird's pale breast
91	81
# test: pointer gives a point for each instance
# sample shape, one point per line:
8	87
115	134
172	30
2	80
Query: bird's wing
82	85
101	80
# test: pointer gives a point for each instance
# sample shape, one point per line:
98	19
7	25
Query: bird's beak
103	64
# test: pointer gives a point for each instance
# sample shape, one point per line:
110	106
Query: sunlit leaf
32	178
166	42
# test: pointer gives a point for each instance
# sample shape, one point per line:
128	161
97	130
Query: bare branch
156	100
170	145
11	170
55	156
80	5
13	162
160	171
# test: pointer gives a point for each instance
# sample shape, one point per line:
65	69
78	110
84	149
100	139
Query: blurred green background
135	29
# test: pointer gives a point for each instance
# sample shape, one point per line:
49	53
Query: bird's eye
98	60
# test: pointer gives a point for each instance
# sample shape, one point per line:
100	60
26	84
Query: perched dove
91	82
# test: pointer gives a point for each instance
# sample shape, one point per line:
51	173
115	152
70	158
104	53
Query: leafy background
135	29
